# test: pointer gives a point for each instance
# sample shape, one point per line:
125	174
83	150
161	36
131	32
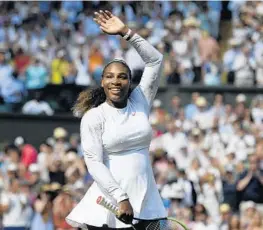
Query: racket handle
106	204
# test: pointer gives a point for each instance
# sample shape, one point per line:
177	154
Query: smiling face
116	83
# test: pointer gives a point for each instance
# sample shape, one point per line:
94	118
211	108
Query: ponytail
88	99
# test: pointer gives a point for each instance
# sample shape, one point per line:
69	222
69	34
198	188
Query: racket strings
162	225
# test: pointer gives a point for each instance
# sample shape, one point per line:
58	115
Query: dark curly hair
95	96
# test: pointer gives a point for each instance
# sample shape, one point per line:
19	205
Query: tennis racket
167	223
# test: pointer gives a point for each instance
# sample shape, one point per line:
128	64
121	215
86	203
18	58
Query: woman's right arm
91	141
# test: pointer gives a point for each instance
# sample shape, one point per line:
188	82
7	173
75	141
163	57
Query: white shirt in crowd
257	114
243	146
183	158
37	107
19	212
203	226
42	162
243	67
172	143
259	62
204	119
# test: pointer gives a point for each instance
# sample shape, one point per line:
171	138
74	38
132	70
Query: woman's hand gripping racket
168	223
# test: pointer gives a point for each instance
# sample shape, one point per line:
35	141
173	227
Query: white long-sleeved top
116	151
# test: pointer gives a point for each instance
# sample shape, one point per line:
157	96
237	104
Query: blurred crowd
58	43
207	161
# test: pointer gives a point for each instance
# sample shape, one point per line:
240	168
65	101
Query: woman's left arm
111	24
153	62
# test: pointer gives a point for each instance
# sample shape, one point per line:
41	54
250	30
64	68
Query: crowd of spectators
58	43
207	161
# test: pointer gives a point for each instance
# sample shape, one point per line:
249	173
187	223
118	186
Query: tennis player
115	137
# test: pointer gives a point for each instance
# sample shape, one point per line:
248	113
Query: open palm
108	22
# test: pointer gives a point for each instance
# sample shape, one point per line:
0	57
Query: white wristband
127	35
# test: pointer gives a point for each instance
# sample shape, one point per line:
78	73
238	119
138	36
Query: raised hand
109	23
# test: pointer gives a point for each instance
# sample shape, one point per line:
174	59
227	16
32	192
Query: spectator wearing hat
34	178
210	195
230	56
256	222
240	105
73	160
193	35
60	135
225	215
158	113
195	142
28	152
247	211
204	117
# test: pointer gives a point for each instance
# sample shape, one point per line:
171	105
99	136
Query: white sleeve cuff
119	196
